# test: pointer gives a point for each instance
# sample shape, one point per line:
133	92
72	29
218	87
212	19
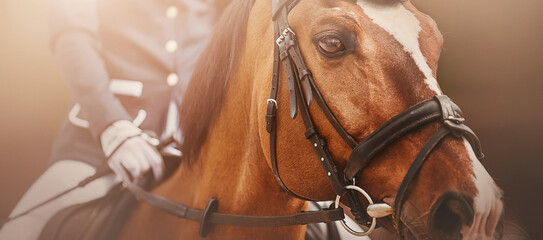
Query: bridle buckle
273	101
284	35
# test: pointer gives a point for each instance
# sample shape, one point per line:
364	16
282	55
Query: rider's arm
77	49
76	45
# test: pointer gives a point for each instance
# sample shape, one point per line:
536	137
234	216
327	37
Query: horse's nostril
450	212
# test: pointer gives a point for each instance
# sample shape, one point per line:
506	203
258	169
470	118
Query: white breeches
59	177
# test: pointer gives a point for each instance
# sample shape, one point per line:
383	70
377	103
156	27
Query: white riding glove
127	146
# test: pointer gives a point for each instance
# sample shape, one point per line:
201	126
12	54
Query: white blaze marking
486	203
483	182
402	24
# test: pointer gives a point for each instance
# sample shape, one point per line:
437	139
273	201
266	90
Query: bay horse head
365	61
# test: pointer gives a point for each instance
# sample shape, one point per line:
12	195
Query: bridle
438	109
286	50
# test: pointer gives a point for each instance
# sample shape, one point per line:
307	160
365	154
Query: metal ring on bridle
344	224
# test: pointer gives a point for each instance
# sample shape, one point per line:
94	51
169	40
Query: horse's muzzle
449	213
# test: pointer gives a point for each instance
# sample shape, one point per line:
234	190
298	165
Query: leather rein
286	50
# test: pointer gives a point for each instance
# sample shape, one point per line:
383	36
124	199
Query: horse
371	60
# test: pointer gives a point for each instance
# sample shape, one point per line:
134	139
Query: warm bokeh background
491	65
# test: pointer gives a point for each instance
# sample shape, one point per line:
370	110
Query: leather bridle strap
297	70
439	108
271	123
209	216
297	73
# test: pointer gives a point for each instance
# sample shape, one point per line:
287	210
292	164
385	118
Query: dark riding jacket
123	60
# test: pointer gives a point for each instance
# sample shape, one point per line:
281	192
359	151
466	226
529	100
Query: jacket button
171	12
172	79
171	46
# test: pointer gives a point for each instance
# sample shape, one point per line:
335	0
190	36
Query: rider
127	64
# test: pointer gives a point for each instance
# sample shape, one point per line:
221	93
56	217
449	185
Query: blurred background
491	65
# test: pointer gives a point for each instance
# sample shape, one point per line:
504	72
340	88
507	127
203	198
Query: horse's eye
331	45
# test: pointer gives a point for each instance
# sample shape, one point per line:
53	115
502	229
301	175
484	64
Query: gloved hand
126	145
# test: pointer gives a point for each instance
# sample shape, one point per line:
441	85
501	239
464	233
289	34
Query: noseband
438	109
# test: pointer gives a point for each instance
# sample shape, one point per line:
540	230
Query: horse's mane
206	90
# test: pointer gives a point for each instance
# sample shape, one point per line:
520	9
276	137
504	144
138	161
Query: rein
209	216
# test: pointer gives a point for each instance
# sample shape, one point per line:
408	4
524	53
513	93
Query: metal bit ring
344	224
